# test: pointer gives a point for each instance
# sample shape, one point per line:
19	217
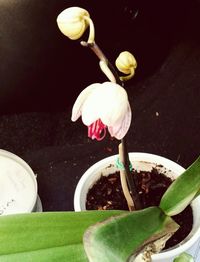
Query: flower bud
73	22
126	64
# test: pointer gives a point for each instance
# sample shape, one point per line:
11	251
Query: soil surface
107	194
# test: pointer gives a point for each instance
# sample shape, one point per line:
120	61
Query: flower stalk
123	180
129	176
92	30
98	52
131	189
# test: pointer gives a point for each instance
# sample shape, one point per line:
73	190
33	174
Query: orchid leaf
118	238
74	253
182	191
50	236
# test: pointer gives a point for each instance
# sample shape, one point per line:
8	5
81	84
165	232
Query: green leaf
117	238
67	253
184	257
182	191
53	236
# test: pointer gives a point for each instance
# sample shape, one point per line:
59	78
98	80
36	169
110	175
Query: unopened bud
126	64
73	22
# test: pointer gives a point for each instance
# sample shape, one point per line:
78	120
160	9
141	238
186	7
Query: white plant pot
144	161
18	192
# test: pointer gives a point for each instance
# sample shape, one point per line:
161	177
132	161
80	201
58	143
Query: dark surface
39	82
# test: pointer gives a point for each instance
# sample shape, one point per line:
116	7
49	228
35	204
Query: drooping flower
126	64
103	106
74	21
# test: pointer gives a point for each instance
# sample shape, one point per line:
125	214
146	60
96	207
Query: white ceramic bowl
18	192
143	161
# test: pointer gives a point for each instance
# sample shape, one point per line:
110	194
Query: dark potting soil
107	194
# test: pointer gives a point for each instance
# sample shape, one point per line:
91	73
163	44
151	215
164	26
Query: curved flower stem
126	78
92	30
124	152
98	52
106	70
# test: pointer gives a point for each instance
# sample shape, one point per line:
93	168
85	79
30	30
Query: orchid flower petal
77	108
92	106
120	129
115	101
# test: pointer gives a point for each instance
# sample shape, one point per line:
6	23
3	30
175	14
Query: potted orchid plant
115	114
113	235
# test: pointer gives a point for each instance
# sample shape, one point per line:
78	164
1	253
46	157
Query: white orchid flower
74	21
103	106
126	63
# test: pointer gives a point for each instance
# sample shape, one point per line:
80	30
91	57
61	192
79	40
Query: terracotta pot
143	161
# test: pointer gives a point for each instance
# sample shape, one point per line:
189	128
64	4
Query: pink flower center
97	130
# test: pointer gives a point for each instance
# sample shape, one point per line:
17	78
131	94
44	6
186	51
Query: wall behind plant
41	70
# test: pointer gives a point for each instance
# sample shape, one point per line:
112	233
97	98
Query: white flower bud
73	22
126	64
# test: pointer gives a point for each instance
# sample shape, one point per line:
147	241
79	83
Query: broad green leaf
67	253
50	236
182	191
184	257
117	238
